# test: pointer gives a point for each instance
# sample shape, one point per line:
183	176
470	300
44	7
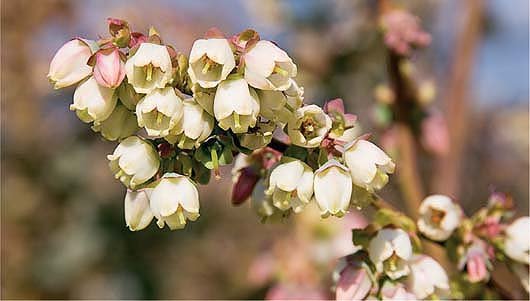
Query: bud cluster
177	118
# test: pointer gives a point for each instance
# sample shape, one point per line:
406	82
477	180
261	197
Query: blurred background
63	230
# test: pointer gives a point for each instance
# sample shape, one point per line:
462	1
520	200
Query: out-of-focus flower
333	188
138	214
427	277
308	126
193	128
128	97
396	291
403	31
439	217
134	161
69	65
368	164
258	136
295	292
426	92
159	111
291	185
517	242
236	105
521	270
353	280
93	102
384	95
435	135
476	262
119	125
149	68
109	69
267	67
341	121
174	200
390	250
211	60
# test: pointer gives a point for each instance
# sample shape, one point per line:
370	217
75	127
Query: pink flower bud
244	186
435	135
69	65
476	267
136	39
109	70
354	283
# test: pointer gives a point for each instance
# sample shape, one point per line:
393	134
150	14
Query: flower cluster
390	264
475	242
177	118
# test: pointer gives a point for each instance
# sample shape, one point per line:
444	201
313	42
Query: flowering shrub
178	118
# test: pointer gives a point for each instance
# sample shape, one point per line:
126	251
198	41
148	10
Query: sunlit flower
427	277
211	60
134	161
273	106
333	188
204	97
517	242
390	250
149	68
368	164
138	214
267	67
159	111
439	217
93	102
236	105
291	185
174	200
308	126
193	128
119	125
109	69
69	65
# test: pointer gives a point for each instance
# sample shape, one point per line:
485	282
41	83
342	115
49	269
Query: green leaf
297	152
322	157
362	237
385	217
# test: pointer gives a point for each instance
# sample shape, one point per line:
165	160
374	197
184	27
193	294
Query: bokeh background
63	230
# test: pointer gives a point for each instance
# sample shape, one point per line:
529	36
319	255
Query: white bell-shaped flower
149	68
267	67
427	277
69	65
120	124
93	102
174	200
258	136
134	161
291	185
390	250
211	60
204	97
333	188
236	105
273	106
128	97
194	127
308	126
368	164
517	242
159	111
439	217
138	214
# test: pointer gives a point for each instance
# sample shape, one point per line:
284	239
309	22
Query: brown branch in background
448	167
